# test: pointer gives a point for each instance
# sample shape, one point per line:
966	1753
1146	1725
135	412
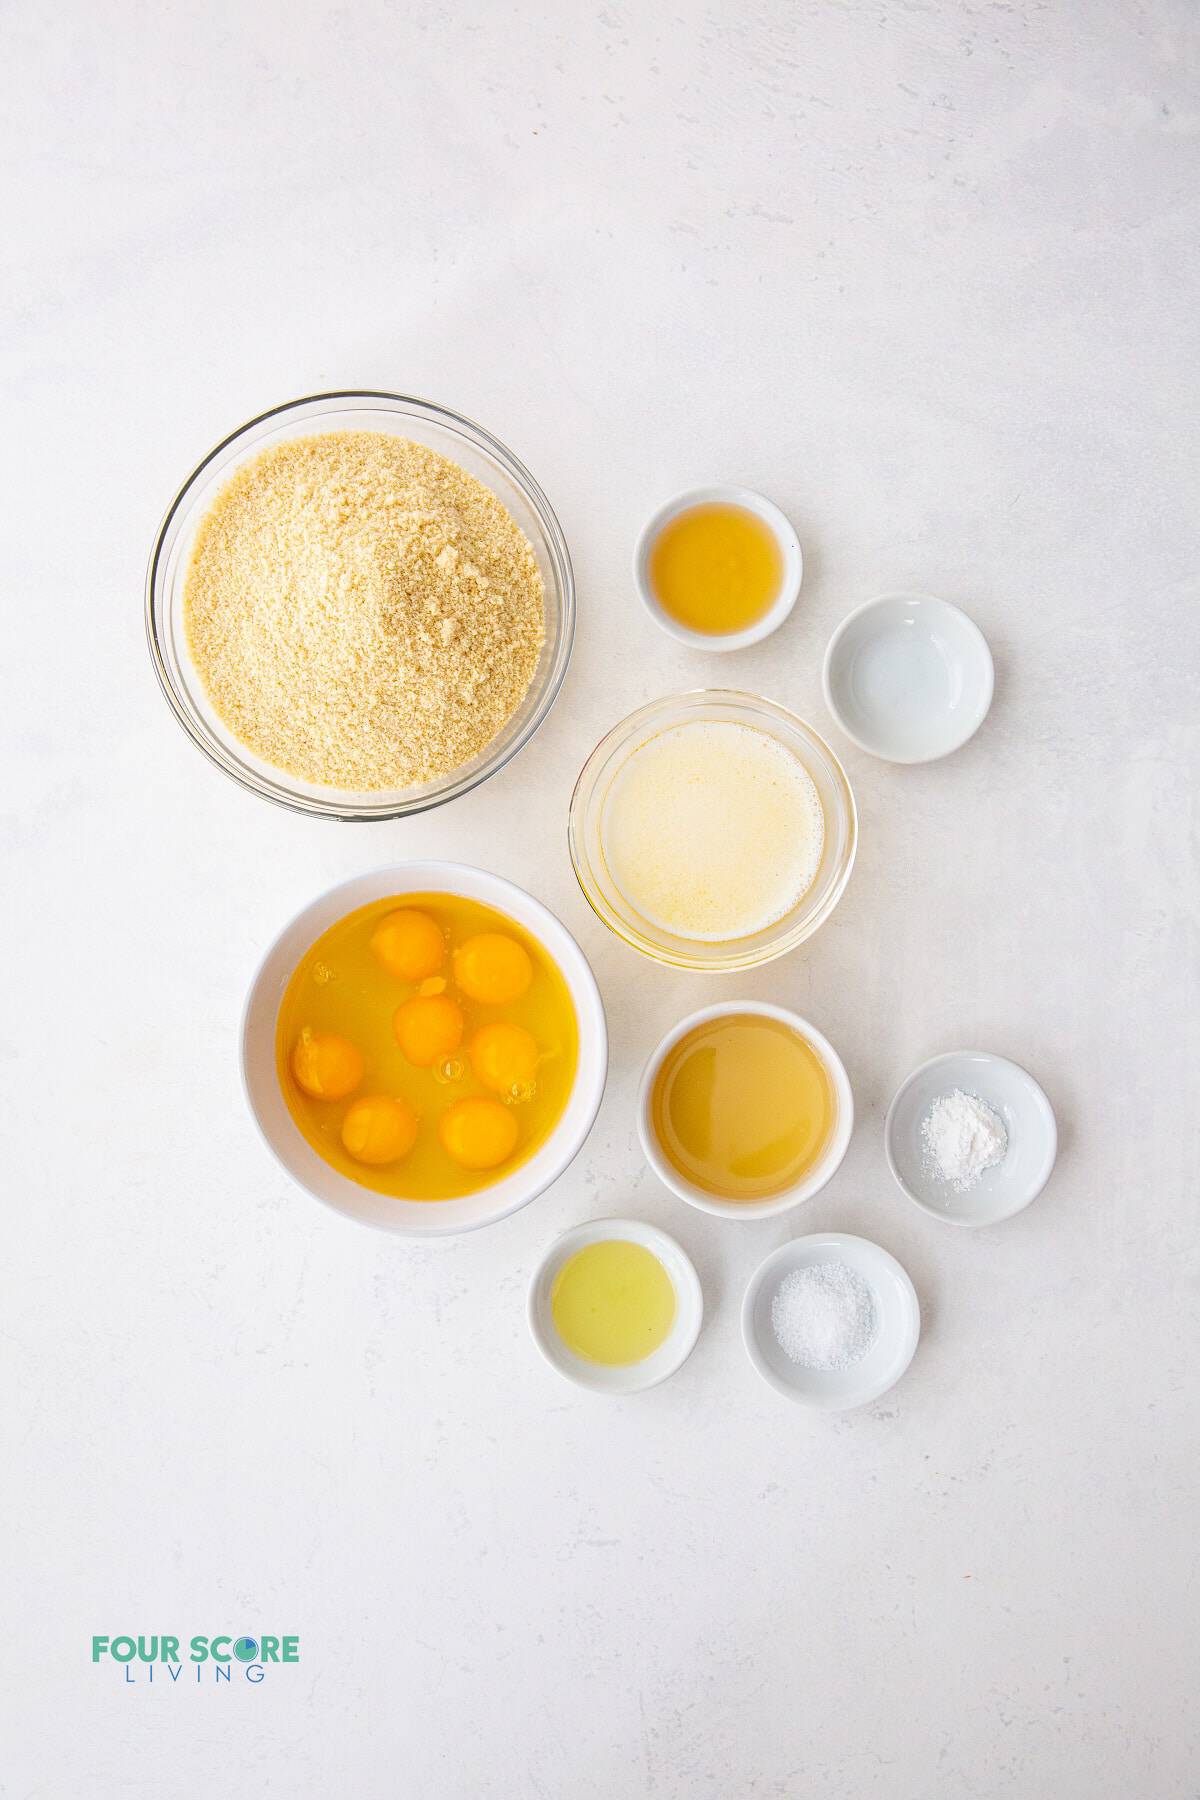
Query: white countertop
927	275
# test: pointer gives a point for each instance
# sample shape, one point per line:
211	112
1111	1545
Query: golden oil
743	1107
716	568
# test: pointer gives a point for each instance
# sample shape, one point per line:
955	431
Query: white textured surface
926	274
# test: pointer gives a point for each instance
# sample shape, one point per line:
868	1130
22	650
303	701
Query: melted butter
613	1302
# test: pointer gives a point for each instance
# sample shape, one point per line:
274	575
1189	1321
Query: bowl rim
1041	1100
622	1380
731	962
933	602
276	791
750	500
581	982
837	1240
818	1178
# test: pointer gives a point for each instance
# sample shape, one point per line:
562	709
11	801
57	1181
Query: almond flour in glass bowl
450	435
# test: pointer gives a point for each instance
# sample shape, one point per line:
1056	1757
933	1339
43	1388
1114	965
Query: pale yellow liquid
743	1107
613	1302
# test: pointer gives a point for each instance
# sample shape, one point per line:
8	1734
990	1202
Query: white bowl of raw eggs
424	1048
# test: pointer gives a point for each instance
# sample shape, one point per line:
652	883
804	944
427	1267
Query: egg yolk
326	1066
505	1058
492	968
428	1028
378	1129
409	944
478	1133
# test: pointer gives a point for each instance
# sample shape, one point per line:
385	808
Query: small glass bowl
465	443
585	830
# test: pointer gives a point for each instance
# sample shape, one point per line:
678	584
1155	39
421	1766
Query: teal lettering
291	1649
199	1649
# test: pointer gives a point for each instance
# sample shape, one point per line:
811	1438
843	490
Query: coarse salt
824	1316
963	1137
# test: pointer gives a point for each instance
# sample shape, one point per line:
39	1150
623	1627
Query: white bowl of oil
718	568
615	1306
496	1195
745	1110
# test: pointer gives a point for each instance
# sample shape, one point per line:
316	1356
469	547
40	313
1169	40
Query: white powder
962	1137
824	1316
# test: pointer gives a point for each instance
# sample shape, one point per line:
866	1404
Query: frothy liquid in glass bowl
713	831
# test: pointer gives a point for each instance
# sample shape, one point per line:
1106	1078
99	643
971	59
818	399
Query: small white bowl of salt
831	1320
971	1138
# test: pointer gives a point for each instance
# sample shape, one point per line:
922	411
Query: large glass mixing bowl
465	443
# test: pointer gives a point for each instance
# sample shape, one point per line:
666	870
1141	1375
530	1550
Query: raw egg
492	968
504	1059
372	1054
477	1133
326	1066
379	1129
409	944
428	1028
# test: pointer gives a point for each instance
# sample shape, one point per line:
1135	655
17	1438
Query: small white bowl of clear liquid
908	677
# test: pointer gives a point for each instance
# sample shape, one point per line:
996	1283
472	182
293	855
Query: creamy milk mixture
713	831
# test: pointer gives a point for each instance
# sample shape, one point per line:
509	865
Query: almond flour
362	612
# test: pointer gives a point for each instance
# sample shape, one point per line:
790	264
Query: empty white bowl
823	1170
421	1218
908	677
781	529
897	1310
630	1378
1028	1119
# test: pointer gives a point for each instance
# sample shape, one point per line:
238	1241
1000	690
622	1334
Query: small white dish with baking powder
908	677
1028	1118
897	1323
